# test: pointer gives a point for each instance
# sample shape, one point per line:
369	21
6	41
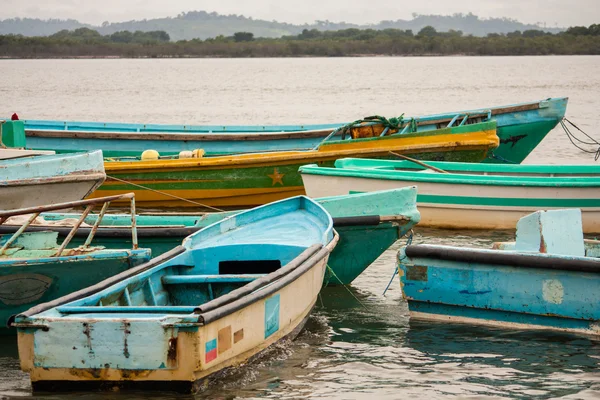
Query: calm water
358	343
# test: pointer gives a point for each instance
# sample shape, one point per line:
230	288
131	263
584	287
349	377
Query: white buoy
186	154
148	155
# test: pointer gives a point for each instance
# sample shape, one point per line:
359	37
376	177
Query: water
358	344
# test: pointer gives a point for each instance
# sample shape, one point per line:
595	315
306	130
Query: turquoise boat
547	279
35	268
226	294
467	195
368	224
521	127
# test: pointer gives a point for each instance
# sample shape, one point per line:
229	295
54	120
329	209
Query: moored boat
521	127
469	196
35	268
45	179
547	279
367	223
254	179
229	292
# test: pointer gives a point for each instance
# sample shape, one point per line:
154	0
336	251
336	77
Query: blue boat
521	127
548	279
35	268
229	292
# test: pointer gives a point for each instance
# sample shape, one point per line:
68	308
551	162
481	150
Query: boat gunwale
506	258
452	179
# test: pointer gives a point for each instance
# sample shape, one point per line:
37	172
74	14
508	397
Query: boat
367	223
248	180
226	294
521	127
547	279
35	268
45	179
468	196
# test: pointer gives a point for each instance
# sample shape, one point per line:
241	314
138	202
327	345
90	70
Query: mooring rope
396	270
574	138
164	194
345	286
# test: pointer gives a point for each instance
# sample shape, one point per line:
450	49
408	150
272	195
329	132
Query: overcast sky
551	12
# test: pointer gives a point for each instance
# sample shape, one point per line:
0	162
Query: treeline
85	42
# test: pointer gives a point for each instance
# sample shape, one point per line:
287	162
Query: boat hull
521	294
250	180
194	353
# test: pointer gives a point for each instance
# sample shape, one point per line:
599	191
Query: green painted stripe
509	202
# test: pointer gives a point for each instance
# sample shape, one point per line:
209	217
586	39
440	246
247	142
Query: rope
396	270
164	194
497	157
573	138
345	286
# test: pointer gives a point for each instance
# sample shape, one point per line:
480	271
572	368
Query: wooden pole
421	163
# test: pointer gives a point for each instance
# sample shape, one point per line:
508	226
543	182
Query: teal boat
467	195
368	224
230	291
521	127
35	268
547	279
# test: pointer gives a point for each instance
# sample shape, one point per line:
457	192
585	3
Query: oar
421	163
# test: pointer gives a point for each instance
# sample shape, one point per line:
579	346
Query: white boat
49	179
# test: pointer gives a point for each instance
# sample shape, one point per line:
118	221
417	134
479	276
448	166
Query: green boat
368	224
35	268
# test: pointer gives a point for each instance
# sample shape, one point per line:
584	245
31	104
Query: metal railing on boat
89	206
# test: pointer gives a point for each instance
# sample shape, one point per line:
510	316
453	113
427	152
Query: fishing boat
468	196
45	179
227	293
547	279
35	268
252	179
367	223
521	127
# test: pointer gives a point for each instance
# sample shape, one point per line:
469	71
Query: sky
553	13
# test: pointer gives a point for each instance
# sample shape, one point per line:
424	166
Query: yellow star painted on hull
276	177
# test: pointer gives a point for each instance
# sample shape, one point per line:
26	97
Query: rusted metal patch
224	339
416	273
238	335
172	352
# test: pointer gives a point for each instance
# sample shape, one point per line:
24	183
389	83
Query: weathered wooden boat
46	179
367	223
547	279
229	292
521	127
252	179
469	196
34	268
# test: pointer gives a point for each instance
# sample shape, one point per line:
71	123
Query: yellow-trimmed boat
254	179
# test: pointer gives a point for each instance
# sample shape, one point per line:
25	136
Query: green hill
201	24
